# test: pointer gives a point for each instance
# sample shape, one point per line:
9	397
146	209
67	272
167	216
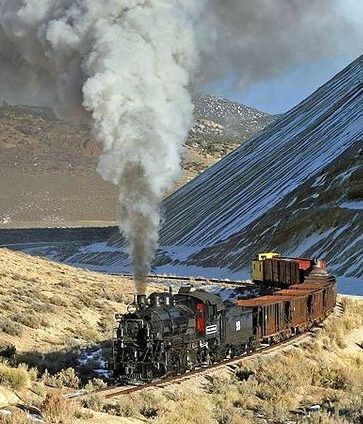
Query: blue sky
279	94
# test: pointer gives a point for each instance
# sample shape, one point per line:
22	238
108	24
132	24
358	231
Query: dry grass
16	417
273	388
48	307
58	410
15	378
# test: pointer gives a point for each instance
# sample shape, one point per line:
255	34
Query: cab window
212	312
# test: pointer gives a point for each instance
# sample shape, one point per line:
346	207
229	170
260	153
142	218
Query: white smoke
128	63
259	39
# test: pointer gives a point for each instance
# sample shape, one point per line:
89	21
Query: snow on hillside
321	218
243	186
296	181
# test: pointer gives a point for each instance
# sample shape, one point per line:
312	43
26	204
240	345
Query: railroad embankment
50	312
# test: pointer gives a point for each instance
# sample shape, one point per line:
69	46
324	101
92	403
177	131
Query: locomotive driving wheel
174	360
181	360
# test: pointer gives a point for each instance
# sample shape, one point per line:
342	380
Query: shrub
9	327
331	378
64	378
191	410
16	378
16	417
58	301
95	384
43	307
94	401
30	320
59	410
89	334
122	408
218	385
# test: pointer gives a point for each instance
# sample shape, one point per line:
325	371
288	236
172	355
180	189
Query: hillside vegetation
46	306
50	312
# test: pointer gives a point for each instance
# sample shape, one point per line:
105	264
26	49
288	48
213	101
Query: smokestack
140	300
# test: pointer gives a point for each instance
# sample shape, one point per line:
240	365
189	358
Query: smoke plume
258	39
129	66
128	63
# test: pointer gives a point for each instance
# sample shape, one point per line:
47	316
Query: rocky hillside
222	124
48	166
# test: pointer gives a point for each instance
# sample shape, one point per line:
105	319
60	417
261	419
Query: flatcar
166	333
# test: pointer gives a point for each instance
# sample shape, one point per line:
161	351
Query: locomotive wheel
191	359
175	361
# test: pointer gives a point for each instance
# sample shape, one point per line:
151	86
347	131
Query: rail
117	390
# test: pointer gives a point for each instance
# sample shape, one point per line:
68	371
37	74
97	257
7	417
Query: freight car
272	268
166	334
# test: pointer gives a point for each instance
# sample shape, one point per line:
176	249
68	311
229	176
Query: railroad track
117	390
192	279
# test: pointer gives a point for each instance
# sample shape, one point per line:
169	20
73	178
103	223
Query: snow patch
352	205
351	286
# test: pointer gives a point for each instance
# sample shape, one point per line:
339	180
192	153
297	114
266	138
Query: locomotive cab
207	308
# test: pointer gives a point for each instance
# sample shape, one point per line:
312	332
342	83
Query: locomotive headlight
132	308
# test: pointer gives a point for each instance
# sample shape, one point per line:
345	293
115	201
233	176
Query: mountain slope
321	218
251	180
48	166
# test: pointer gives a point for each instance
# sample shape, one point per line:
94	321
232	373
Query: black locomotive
169	334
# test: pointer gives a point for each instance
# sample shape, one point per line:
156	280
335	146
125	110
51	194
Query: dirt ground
48	172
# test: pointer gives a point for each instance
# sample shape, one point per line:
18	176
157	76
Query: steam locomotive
166	334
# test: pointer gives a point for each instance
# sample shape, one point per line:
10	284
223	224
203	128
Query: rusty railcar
294	309
272	268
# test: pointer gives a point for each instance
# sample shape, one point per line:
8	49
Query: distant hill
48	166
222	124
